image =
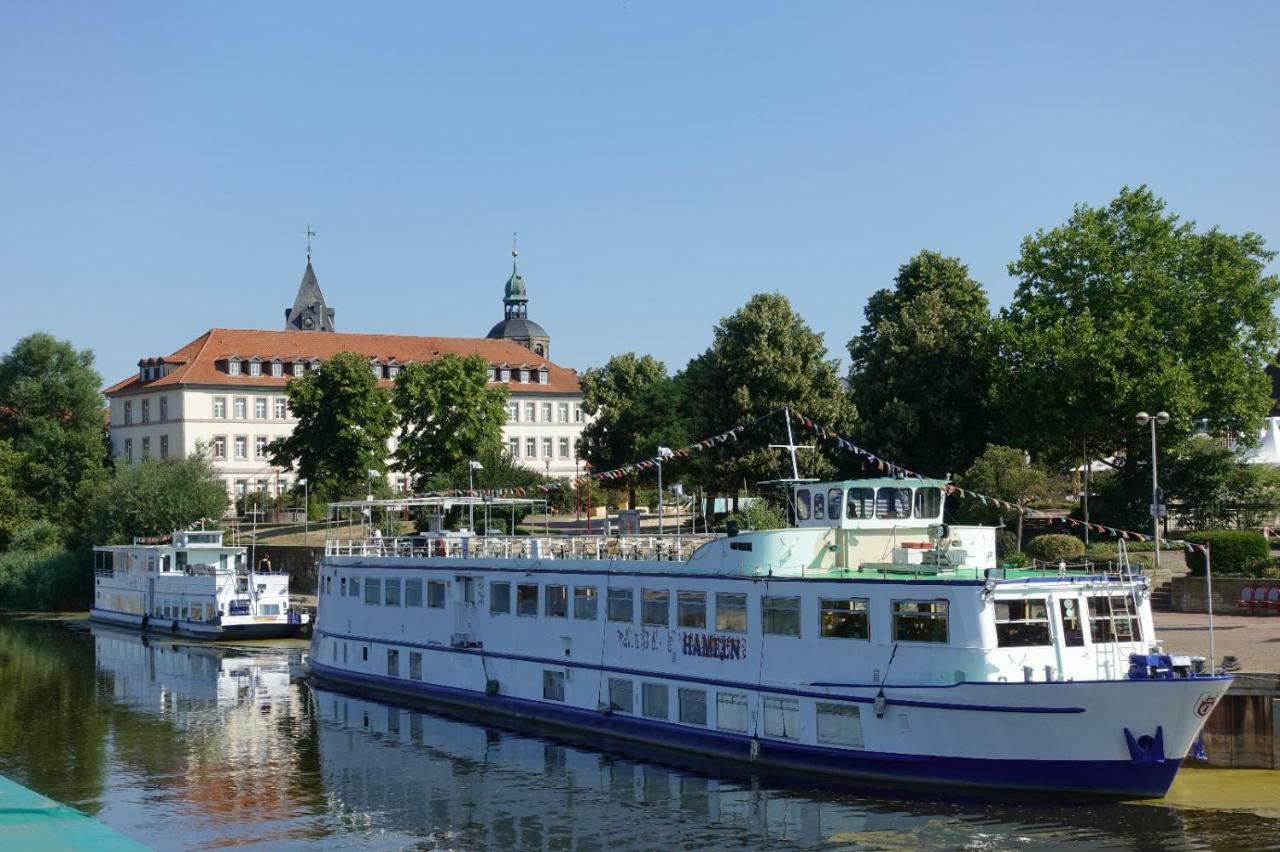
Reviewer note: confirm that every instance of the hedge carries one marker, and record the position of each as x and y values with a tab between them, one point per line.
1051	548
1232	551
61	580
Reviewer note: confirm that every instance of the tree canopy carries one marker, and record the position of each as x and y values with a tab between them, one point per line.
154	497
920	369
344	423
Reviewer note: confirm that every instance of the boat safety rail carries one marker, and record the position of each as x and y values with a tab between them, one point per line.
1116	570
670	547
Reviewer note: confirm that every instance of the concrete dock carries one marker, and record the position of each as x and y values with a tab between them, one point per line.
29	821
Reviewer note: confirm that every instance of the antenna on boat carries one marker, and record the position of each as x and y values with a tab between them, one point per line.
791	446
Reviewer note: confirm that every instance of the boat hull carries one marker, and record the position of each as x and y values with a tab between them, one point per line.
200	629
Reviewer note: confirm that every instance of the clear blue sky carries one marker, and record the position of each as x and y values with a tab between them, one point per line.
159	163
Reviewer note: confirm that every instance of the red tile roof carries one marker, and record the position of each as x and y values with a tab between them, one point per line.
202	361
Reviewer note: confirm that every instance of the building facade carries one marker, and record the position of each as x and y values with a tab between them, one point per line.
225	391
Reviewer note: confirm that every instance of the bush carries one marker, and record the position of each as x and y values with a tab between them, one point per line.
1053	547
1234	552
1006	544
759	515
38	537
46	581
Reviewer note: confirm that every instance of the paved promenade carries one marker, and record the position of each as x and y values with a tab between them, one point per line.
1255	640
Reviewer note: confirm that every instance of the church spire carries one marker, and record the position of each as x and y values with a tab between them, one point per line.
309	311
516	325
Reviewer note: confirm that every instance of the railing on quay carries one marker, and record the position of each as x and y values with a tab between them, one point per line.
658	548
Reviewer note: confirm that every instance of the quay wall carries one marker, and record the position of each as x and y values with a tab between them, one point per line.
1187	594
1243	732
297	561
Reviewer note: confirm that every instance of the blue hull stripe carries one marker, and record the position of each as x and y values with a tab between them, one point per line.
1097	777
559	662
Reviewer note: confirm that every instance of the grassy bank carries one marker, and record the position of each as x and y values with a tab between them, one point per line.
57	580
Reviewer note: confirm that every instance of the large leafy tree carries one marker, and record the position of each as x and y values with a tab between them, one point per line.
1007	474
154	497
1128	308
16	509
448	414
344	423
763	358
51	412
920	368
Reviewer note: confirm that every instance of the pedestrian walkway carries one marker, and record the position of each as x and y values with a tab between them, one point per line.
1255	642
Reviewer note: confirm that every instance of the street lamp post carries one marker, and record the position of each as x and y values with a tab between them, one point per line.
472	467
663	454
1160	419
306	511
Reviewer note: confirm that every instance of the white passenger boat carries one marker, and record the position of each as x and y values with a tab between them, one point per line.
869	641
191	584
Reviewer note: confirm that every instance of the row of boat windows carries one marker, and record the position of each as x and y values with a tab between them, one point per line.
841	618
1104	618
863	503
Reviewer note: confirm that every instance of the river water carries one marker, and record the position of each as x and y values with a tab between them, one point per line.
185	746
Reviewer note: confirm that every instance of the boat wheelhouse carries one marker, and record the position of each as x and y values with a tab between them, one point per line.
191	584
872	640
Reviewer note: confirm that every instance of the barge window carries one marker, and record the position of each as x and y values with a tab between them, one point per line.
500	598
928	503
861	503
691	609
415	665
435	594
393	663
1114	619
373	592
413	593
621	605
846	619
1072	624
781	616
782	718
584	602
693	706
391	592
655	607
526	599
802	504
731	612
654	696
839	724
893	503
621	695
354	589
731	711
556	601
920	621
552	685
833	503
1022	624
819	507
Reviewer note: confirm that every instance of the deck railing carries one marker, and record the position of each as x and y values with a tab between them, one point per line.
661	548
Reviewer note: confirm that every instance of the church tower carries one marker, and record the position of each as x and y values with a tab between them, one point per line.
516	325
309	312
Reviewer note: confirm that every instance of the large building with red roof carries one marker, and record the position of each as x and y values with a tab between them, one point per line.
225	390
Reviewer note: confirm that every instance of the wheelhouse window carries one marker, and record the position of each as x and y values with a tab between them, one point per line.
691	609
527	599
861	503
655	607
893	503
1114	618
920	621
500	597
1072	624
781	616
435	594
1022	624
846	618
584	602
622	605
556	601
928	503
373	591
804	504
833	503
413	593
819	506
731	612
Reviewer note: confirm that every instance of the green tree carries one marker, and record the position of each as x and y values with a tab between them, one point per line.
51	412
1211	486
448	414
154	497
1007	474
16	509
920	369
344	423
763	357
1127	308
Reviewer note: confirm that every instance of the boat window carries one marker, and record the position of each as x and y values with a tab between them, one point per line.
781	616
556	601
526	599
553	685
622	605
435	593
693	706
373	591
584	602
782	718
802	504
845	618
415	665
1072	624
393	663
731	612
691	609
731	711
893	502
342	587
654	697
839	724
920	621
833	503
861	503
1021	624
621	695
500	598
655	607
391	592
413	593
819	506
267	609
928	503
1114	618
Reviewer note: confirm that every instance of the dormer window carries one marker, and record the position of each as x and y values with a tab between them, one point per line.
393	371
299	367
255	368
233	368
377	370
543	376
524	375
506	374
493	374
277	370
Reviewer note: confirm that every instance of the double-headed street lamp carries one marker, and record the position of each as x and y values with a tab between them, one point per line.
472	467
1160	419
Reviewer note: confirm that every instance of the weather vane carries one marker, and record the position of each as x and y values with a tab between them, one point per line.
310	234
515	251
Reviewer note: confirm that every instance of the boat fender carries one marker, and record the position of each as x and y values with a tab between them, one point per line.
146	620
174	628
755	748
881	704
491	687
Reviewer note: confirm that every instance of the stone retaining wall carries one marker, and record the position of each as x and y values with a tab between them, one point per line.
1188	595
297	561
